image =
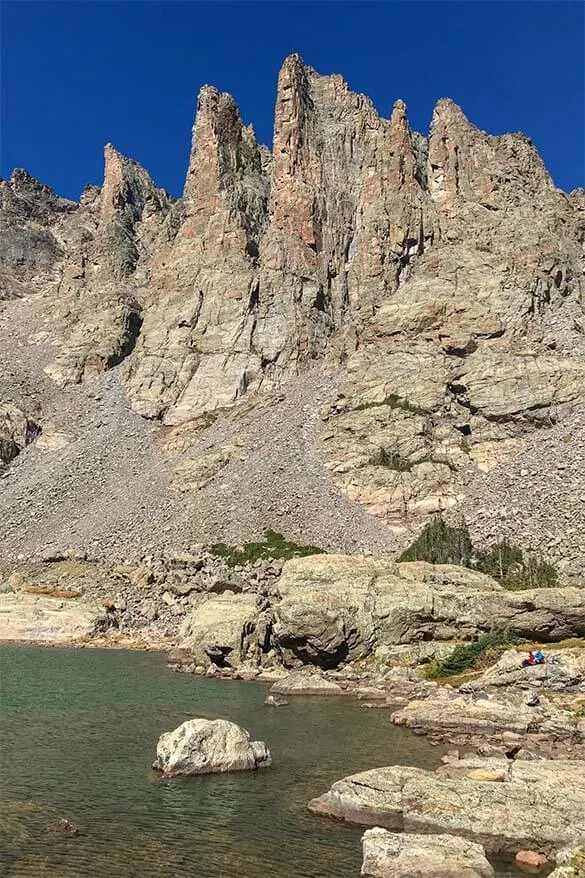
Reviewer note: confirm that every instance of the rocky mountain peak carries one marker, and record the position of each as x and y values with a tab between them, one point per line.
24	196
217	131
399	117
439	278
22	181
225	168
30	251
128	189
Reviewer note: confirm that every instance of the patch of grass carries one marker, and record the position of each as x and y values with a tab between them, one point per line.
442	543
466	657
274	546
394	402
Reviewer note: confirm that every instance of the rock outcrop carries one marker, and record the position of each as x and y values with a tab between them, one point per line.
99	303
16	431
225	622
202	746
31	249
510	722
337	608
402	855
504	806
41	618
567	671
305	683
329	609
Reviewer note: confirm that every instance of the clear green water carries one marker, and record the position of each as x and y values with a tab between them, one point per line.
78	732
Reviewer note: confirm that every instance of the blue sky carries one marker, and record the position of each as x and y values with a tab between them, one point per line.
76	75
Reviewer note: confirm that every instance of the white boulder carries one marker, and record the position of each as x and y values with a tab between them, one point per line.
203	746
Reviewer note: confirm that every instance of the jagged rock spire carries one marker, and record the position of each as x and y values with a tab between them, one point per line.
127	187
225	171
217	133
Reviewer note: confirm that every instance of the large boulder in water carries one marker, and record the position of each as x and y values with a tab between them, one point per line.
401	855
203	746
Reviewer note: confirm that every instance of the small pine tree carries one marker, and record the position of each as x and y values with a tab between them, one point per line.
467	656
503	561
506	563
441	543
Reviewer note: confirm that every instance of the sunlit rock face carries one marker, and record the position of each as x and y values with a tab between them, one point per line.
439	278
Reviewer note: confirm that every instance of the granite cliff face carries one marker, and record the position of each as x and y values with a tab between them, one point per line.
363	320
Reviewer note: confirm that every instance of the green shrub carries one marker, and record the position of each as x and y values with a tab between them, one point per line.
441	543
467	656
274	545
390	459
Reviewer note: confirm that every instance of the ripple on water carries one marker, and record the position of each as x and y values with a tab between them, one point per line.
79	731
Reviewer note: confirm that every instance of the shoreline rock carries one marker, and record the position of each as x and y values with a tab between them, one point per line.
512	721
305	682
570	863
402	855
504	806
39	618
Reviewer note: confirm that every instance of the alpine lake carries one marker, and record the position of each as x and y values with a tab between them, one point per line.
78	734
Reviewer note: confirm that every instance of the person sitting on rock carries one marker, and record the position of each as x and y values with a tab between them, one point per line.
539	656
531	660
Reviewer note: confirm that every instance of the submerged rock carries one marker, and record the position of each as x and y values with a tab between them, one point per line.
66	828
275	701
530	861
401	855
202	746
